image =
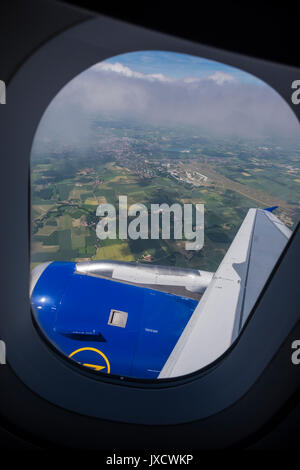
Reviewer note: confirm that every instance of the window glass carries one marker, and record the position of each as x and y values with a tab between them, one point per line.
143	169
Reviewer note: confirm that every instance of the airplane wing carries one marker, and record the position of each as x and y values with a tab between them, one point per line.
231	295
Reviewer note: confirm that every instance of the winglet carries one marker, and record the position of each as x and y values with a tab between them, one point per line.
270	209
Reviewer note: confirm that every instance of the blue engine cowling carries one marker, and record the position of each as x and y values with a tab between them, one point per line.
106	325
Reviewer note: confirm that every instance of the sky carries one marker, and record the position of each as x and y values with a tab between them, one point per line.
179	66
167	87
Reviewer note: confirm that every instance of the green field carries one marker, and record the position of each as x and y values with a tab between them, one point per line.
155	167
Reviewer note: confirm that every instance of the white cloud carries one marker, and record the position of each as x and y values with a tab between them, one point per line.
128	72
191	80
218	76
221	77
217	103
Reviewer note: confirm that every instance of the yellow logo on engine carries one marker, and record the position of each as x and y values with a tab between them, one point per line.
94	366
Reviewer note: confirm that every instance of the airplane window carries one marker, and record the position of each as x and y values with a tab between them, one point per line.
164	188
